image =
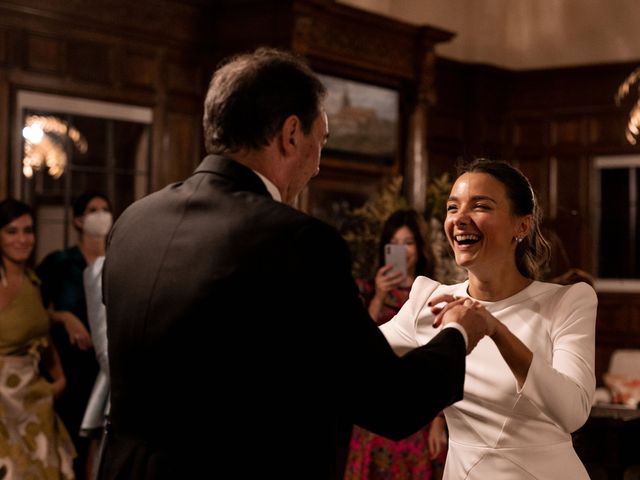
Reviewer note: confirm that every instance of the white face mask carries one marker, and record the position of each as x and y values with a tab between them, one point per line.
97	224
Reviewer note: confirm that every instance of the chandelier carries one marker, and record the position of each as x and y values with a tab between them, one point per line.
632	132
45	144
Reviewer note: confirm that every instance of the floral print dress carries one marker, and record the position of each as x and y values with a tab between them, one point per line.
372	457
34	443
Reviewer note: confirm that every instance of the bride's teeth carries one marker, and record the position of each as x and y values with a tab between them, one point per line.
466	237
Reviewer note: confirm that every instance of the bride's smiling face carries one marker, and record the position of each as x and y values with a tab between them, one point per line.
480	225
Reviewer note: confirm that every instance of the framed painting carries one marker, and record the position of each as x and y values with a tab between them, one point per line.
330	197
363	120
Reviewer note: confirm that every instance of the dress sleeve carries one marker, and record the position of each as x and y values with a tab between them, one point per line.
400	331
96	311
563	390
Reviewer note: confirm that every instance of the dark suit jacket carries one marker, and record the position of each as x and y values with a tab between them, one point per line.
212	286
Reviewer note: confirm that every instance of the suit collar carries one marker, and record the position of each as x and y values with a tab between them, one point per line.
234	171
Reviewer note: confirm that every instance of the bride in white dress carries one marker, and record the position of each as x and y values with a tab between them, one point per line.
531	382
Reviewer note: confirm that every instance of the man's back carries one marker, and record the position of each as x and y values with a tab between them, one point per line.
208	316
218	295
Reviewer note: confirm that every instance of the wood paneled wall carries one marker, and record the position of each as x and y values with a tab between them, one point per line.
160	54
618	326
551	123
140	53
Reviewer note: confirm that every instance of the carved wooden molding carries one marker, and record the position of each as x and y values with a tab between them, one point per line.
164	22
341	34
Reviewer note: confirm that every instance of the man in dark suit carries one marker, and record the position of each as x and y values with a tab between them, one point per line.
231	314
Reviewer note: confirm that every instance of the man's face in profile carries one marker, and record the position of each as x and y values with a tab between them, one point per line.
311	150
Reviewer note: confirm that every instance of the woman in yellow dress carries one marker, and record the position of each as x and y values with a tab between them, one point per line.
34	443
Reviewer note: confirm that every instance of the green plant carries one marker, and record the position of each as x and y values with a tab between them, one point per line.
437	195
361	226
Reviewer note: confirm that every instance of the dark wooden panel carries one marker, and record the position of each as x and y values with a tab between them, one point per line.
530	91
374	43
487	90
572	208
607	130
620	314
156	22
5	129
180	152
486	136
530	132
618	326
445	125
451	83
91	61
343	40
585	87
335	37
488	129
184	78
44	54
568	131
443	161
140	69
4	46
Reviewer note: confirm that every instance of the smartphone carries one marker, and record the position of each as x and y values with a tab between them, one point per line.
396	255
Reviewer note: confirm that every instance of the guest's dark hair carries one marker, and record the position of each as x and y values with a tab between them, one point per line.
411	219
251	95
533	252
80	203
10	209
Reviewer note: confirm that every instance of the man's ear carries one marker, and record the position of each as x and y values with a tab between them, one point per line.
77	222
290	134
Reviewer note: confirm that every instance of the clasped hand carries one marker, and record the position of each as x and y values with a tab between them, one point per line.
470	314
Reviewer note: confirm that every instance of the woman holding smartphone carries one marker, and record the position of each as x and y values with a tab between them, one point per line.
372	456
388	291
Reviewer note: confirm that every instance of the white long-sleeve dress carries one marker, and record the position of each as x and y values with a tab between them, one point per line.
499	431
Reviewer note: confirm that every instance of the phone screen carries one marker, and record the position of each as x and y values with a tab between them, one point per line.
396	255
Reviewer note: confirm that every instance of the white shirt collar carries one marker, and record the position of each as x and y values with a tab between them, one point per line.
271	188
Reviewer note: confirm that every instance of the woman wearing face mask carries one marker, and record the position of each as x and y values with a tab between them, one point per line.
27	417
63	293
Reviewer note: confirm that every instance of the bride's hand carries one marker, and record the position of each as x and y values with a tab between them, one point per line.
475	320
439	310
453	300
